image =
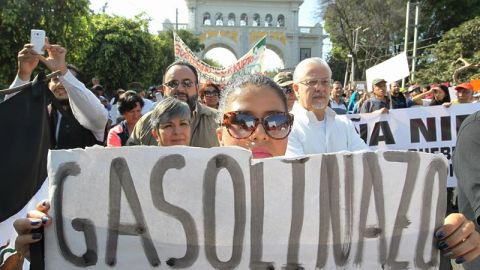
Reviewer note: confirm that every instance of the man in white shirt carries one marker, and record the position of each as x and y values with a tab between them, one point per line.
78	117
317	128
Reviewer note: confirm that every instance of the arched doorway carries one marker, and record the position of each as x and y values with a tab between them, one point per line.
273	59
222	55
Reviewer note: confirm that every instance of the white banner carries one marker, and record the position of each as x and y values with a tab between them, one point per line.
251	63
394	69
431	129
182	207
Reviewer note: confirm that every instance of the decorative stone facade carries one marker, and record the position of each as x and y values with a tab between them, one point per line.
238	25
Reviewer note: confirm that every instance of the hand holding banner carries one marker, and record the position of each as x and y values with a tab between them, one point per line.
181	207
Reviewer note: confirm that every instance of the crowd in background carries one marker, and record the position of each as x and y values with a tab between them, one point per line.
294	114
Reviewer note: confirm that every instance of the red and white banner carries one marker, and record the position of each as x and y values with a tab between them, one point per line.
250	63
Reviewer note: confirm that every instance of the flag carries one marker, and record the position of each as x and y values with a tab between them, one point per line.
24	143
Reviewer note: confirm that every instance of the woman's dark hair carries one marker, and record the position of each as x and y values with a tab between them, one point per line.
445	99
128	101
207	85
244	81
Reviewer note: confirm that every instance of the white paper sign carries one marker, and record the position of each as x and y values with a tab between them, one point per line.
431	129
181	207
394	69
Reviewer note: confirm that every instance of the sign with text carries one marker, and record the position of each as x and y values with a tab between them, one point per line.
251	63
394	69
431	129
182	207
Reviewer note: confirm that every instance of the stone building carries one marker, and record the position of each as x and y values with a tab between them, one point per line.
237	25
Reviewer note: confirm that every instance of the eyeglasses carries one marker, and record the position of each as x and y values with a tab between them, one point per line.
315	82
241	125
287	89
211	93
175	83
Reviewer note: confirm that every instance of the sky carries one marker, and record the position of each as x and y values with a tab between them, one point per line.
160	10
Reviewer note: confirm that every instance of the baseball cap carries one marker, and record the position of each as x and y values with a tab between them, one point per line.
284	78
465	85
377	81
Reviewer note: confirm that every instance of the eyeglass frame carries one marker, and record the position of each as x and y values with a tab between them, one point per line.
305	82
211	93
183	83
257	120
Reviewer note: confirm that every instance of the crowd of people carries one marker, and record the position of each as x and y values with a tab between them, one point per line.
294	114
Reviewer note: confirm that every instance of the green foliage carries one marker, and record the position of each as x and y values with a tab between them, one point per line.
113	48
380	32
121	51
166	47
385	37
336	60
459	42
63	20
212	62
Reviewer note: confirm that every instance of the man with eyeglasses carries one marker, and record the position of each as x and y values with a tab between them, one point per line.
317	129
285	80
181	81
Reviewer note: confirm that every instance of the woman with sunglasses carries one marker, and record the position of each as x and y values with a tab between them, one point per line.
254	115
250	106
210	94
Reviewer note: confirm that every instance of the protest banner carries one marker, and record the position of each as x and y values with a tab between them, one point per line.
431	129
183	207
394	69
251	63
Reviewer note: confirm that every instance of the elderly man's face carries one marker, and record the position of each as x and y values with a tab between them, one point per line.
464	95
380	89
313	87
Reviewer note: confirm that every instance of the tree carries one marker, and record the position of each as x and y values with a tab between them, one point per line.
212	62
166	47
378	25
63	20
386	21
459	42
121	51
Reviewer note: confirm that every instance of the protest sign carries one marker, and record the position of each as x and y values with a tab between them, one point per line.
431	129
182	207
250	63
394	69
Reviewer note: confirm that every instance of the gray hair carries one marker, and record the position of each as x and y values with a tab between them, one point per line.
167	109
243	81
299	69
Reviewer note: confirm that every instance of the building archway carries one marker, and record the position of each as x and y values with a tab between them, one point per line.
275	58
221	55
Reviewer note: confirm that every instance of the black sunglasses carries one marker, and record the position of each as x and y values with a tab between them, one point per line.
241	125
175	83
211	93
